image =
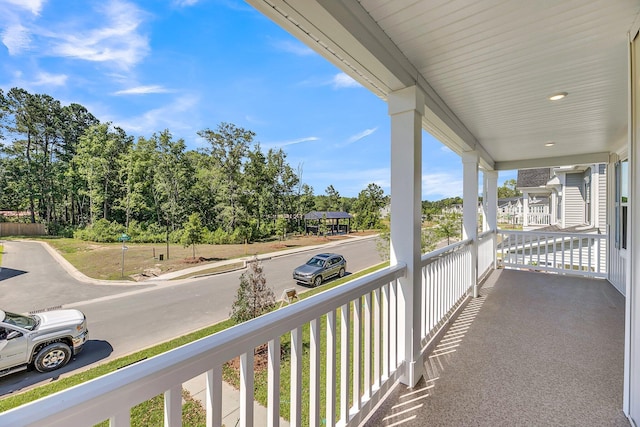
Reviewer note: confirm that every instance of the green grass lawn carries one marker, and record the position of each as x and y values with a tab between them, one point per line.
150	412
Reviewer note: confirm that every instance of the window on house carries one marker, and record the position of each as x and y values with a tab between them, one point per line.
621	203
587	200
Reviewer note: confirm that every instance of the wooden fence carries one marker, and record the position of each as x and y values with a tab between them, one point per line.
21	229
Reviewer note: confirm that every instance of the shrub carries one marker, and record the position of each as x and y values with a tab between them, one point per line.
254	298
101	231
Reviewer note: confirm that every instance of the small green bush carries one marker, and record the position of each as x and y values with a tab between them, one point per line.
101	231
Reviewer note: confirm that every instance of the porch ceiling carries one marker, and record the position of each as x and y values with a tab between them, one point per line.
488	68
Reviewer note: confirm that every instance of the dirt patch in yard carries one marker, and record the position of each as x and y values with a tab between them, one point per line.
260	360
142	260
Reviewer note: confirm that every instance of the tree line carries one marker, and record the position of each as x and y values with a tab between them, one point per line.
79	175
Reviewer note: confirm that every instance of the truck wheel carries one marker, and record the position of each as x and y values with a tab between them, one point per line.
317	281
52	356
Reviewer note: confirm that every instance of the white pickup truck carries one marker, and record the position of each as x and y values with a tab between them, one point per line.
46	340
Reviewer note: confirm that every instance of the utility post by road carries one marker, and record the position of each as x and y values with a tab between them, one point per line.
124	237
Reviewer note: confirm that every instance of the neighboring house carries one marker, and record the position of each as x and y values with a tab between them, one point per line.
510	210
385	211
510	206
563	197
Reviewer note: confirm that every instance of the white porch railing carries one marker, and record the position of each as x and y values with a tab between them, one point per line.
446	283
486	252
539	219
565	253
358	373
510	218
533	219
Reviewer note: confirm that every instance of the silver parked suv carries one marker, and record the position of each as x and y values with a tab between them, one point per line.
319	268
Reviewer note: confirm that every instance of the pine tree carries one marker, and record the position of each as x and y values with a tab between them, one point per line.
254	298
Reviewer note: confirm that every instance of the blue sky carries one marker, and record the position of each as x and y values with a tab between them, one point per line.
187	65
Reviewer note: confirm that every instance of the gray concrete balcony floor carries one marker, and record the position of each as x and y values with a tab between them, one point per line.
535	349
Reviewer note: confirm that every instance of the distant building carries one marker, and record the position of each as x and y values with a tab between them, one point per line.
336	222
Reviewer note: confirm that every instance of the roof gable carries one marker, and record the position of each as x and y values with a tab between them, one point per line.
533	177
329	215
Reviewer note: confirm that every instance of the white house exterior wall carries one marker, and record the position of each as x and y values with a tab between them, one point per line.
601	200
573	199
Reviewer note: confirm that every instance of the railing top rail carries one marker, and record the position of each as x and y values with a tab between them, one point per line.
555	233
487	233
431	256
97	400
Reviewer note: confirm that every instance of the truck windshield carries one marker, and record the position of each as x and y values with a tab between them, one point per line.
25	322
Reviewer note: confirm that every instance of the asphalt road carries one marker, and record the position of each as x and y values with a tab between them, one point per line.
126	318
31	279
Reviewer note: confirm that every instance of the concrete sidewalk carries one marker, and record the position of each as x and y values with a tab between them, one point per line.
230	403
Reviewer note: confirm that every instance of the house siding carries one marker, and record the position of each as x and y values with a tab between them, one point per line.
602	198
574	199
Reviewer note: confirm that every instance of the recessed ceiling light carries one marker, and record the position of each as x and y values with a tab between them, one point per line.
558	96
549	144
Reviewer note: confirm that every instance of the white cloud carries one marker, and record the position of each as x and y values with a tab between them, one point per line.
34	80
142	90
359	136
342	80
291	142
255	120
294	47
446	149
441	184
16	38
177	116
119	40
338	81
185	3
113	34
46	79
34	6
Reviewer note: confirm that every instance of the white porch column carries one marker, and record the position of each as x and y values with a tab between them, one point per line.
490	200
470	210
525	210
595	196
490	203
553	208
406	108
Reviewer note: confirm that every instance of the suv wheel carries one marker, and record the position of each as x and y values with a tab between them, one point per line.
317	281
52	356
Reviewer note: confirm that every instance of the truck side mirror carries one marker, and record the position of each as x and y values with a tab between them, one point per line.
13	334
